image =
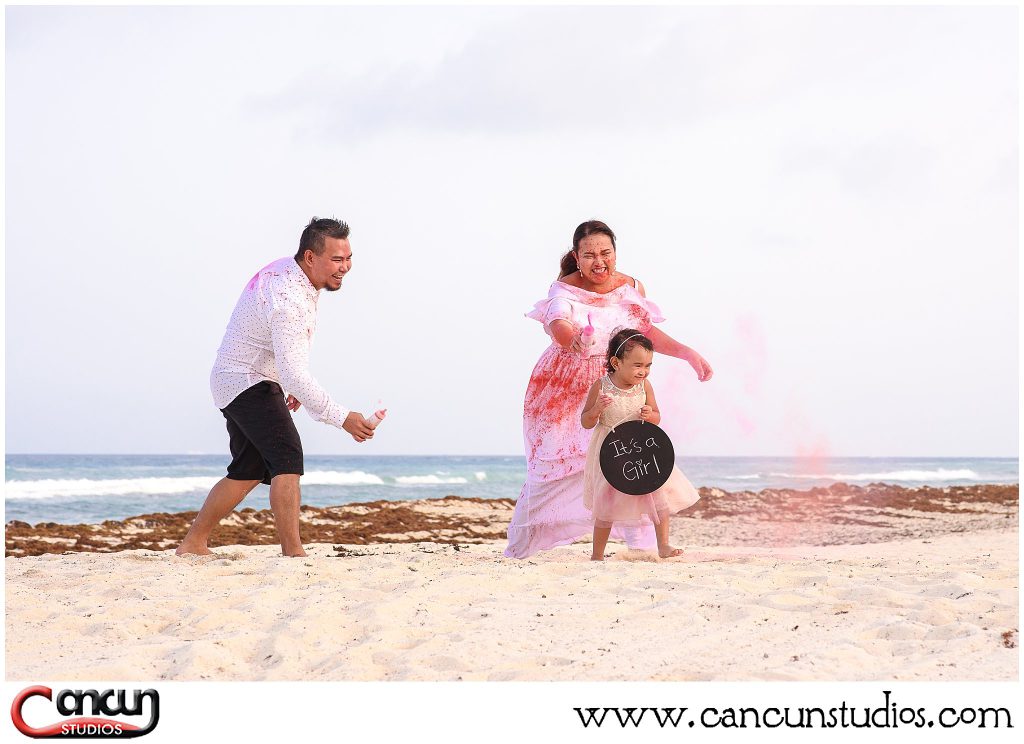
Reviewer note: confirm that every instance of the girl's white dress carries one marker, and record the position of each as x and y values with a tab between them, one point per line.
609	505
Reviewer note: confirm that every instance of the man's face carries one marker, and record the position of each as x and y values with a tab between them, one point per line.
328	269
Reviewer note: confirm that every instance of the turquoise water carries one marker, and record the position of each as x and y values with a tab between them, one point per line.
93	488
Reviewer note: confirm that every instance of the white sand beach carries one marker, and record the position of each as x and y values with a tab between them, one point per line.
943	607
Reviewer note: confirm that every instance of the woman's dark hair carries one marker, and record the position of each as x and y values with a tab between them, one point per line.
312	238
593	227
619	343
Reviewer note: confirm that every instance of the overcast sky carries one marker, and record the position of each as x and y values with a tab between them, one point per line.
822	200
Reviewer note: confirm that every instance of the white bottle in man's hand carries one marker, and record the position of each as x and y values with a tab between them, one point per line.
376	418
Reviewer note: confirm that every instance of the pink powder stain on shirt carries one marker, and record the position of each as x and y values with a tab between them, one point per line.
254	282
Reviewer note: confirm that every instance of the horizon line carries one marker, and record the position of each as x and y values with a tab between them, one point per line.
334	454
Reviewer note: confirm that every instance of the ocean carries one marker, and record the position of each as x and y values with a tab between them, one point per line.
75	489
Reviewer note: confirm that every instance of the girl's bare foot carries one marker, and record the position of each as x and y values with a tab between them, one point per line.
669	552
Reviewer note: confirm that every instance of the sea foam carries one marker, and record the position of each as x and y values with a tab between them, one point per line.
55	488
49	488
341	478
426	480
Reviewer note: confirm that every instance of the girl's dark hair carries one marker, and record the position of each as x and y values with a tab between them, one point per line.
619	339
593	227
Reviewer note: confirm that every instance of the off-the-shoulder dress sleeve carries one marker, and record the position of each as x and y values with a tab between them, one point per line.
643	313
556	306
622	307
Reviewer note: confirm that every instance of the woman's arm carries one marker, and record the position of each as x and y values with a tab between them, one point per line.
649	411
665	344
565	335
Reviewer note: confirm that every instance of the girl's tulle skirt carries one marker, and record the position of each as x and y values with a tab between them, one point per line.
608	505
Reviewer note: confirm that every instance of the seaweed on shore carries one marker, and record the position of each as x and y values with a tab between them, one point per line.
836	514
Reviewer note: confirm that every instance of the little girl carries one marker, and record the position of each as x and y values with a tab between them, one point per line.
625	394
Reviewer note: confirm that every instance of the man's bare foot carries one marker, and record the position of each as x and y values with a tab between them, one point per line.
300	554
186	549
669	552
597	557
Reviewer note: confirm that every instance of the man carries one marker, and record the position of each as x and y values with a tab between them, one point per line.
265	352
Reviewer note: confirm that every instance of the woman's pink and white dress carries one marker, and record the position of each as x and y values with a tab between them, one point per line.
611	506
550	509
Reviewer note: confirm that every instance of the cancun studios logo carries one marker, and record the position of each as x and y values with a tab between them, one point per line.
72	703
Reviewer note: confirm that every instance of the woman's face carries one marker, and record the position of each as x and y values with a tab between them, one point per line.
596	258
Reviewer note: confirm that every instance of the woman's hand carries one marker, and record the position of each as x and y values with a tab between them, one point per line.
568	336
578	345
700	366
665	344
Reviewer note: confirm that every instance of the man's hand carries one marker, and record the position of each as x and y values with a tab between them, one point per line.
293	403
356	425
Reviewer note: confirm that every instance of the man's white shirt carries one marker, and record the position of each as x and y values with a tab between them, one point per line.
268	338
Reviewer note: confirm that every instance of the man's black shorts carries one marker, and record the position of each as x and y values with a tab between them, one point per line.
264	440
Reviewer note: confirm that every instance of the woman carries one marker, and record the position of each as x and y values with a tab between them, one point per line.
550	509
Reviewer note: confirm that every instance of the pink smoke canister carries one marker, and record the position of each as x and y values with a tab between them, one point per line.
587	337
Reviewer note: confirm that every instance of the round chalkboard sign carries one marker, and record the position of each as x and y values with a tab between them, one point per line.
637	457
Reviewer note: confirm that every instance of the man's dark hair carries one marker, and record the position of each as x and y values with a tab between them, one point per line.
319	228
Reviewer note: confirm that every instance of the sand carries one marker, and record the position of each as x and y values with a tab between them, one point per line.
938	607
